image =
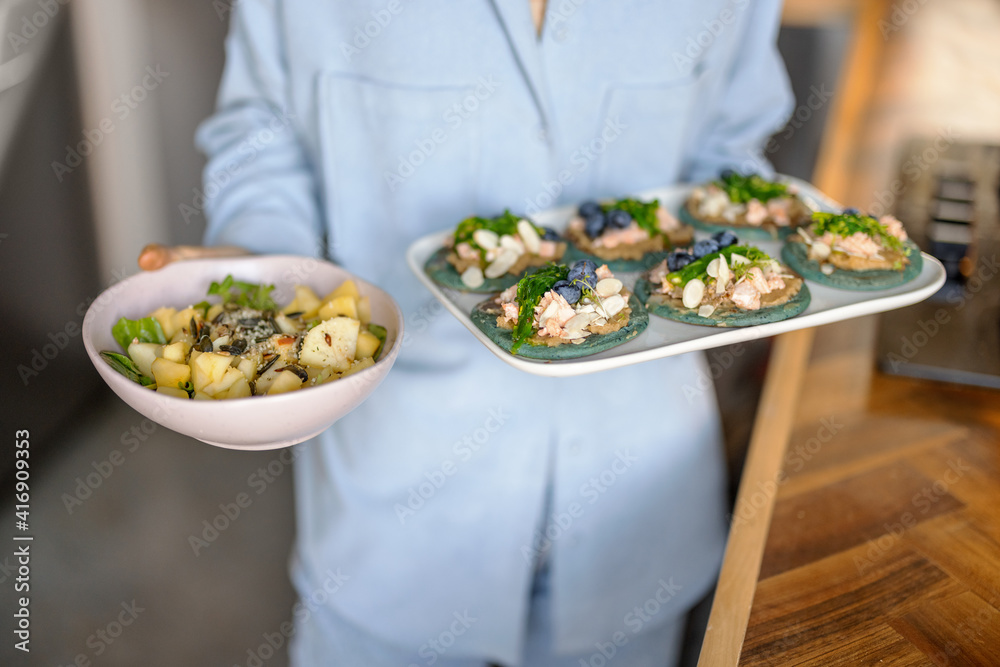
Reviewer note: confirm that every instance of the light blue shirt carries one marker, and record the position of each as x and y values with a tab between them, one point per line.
352	128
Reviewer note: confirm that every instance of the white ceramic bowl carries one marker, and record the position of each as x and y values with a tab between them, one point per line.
258	422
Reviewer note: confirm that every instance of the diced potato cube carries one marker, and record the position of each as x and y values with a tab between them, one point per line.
331	343
305	301
267	378
213	312
177	352
359	365
220	386
201	396
182	319
239	389
165	316
208	368
172	391
286	324
142	354
182	336
339	305
347	288
367	345
365	311
285	382
248	367
170	374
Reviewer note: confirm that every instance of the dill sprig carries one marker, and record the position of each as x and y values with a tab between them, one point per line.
741	189
848	224
530	291
503	224
699	267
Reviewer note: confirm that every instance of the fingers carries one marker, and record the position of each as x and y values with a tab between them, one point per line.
155	256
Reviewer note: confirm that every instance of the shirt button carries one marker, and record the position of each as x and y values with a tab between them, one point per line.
574	448
542	134
561	34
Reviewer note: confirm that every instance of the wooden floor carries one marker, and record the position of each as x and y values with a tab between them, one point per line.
884	546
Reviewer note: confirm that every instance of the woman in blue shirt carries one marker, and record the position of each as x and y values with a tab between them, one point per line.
468	513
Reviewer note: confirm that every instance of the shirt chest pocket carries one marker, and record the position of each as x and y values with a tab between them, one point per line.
644	134
399	160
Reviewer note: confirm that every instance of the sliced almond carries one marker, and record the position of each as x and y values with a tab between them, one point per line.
613	305
737	259
485	239
725	275
706	310
608	287
529	236
693	293
502	263
473	277
713	268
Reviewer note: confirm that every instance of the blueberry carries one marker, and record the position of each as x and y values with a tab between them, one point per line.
594	225
585	270
568	291
678	259
589	208
851	211
726	174
704	247
618	219
725	238
549	234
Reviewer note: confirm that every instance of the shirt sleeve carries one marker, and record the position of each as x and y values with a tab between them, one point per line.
259	187
755	102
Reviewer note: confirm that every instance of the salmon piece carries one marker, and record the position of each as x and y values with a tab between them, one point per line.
746	296
756	213
665	221
466	252
859	244
893	226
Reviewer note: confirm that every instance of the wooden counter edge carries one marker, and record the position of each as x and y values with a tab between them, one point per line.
730	613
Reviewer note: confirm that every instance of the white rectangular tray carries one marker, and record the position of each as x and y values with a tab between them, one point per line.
664	338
